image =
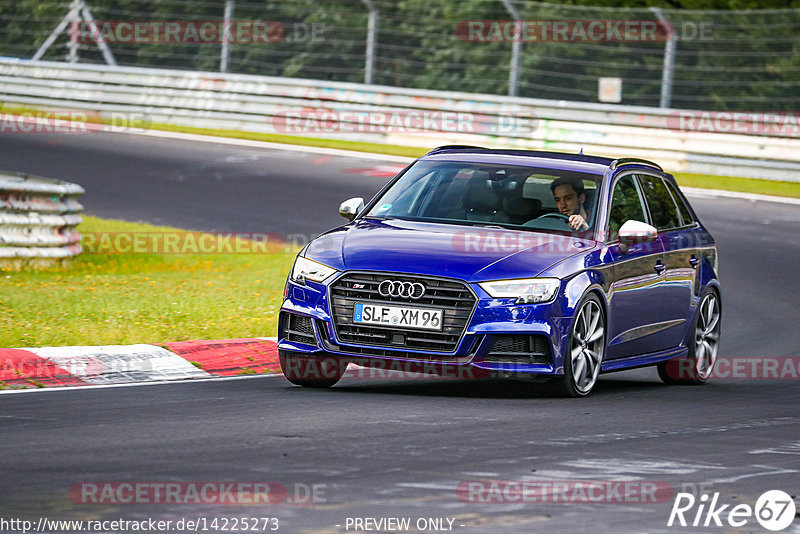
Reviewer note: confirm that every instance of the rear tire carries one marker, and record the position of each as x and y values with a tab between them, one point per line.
585	350
311	371
697	366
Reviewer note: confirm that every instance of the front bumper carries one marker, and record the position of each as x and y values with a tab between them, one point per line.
499	337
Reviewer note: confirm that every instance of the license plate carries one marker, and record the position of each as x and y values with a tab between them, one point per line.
401	317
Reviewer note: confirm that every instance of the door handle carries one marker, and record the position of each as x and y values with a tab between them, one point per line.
659	267
693	261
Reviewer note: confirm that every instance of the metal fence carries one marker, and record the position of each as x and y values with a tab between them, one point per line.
716	60
129	98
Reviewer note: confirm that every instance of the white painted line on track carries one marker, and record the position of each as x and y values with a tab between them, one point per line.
754	197
273	146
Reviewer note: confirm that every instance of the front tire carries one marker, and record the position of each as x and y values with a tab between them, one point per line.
703	344
585	350
311	371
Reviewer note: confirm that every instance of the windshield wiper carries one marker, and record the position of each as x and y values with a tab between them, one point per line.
497	226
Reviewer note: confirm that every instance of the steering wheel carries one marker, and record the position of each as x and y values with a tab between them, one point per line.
561	216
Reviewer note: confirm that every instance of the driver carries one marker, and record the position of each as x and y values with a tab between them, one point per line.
570	195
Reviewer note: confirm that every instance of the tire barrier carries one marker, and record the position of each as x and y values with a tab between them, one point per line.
38	220
752	145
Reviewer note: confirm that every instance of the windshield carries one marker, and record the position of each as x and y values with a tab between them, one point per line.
509	196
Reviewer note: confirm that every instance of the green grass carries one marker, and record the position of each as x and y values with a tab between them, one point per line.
342	144
726	183
101	299
744	185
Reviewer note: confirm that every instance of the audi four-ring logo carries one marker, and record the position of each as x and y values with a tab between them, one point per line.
394	288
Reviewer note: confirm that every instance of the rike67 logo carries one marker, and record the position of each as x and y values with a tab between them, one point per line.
774	510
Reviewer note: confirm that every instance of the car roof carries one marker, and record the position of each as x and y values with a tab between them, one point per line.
551	160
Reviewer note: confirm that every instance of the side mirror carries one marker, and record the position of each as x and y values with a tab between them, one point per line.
634	233
351	207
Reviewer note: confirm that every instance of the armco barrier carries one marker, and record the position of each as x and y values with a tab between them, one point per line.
38	217
260	104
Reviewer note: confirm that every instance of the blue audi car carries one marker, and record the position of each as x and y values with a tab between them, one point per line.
523	264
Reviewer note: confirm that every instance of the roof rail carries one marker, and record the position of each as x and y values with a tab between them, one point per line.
633	161
453	147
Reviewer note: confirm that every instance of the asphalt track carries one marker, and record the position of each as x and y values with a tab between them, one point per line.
388	447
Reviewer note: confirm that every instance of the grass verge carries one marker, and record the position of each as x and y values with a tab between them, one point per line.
108	299
742	185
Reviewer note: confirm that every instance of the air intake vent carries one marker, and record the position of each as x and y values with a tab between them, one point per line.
299	329
524	349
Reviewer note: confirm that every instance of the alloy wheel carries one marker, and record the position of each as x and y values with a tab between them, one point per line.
587	347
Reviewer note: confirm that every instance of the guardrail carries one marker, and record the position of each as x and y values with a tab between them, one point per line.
352	111
38	217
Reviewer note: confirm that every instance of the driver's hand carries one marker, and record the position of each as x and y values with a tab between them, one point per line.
577	222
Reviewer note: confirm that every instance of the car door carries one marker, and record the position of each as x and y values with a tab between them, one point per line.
633	280
679	242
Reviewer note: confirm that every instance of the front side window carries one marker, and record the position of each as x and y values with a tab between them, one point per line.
513	196
626	205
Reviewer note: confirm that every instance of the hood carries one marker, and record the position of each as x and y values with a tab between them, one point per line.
469	253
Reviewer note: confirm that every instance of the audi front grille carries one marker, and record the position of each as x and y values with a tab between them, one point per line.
453	297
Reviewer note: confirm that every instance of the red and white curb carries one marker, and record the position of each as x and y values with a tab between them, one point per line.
126	364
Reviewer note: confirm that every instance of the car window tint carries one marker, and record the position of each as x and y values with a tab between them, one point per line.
626	205
662	207
683	209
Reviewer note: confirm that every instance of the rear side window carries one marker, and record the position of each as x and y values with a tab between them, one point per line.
626	205
663	210
683	209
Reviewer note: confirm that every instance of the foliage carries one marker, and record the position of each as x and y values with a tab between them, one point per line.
747	58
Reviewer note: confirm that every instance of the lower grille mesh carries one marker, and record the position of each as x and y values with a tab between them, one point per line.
299	329
522	349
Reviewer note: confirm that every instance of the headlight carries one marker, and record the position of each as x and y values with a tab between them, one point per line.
526	290
305	269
